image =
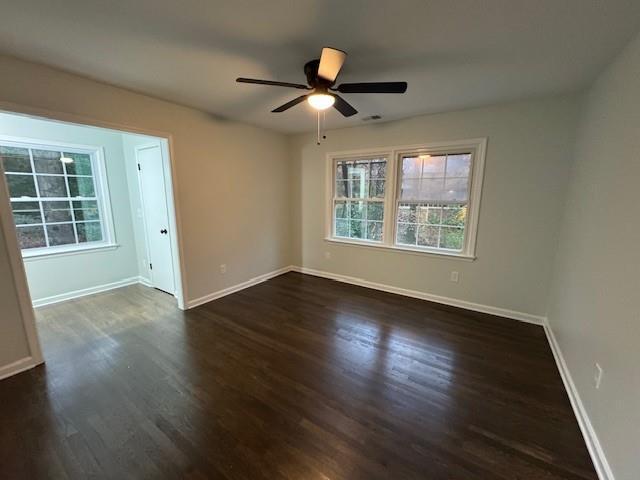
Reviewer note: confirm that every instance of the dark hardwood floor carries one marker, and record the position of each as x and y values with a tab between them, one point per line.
296	378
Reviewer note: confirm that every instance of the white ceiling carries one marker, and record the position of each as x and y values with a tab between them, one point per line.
453	53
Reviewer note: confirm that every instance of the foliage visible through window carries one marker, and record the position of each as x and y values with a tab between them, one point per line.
358	205
433	200
54	203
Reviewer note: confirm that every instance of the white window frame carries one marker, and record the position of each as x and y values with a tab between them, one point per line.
475	146
99	171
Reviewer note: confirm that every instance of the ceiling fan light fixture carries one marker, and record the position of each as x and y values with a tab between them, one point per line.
321	101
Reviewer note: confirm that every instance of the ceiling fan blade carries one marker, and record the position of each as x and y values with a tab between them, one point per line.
290	104
331	62
271	82
373	87
343	107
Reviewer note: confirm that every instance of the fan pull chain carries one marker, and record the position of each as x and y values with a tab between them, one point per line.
324	113
320	128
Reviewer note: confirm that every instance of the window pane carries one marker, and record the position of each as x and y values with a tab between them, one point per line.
434	215
51	186
376	189
358	229
31	237
431	189
342	228
428	236
454	215
433	166
81	187
406	234
356	210
342	188
411	167
81	164
458	165
375	211
15	159
21	186
340	210
452	238
379	169
26	212
342	171
407	213
86	210
89	232
455	189
56	212
61	234
358	189
358	170
47	161
410	188
374	231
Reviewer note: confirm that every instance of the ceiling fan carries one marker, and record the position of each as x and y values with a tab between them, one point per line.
321	77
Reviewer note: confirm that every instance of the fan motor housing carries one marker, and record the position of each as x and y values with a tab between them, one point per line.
311	72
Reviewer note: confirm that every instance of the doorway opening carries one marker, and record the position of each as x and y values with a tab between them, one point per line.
92	209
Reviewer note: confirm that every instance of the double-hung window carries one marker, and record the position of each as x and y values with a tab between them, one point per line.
423	198
358	202
57	196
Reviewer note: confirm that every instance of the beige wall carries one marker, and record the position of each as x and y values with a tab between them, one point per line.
527	164
233	179
593	310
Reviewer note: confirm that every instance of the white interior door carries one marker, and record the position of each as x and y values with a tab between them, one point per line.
156	217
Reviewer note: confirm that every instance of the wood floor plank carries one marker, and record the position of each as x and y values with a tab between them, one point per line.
296	378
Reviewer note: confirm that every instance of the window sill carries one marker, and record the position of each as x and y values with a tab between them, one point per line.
408	250
34	256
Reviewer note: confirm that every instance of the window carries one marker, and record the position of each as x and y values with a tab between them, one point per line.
358	202
433	200
420	198
57	197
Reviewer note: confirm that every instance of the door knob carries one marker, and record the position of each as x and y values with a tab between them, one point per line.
163	231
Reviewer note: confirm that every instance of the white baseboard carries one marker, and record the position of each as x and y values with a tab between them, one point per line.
454	302
591	439
236	288
17	367
144	281
85	291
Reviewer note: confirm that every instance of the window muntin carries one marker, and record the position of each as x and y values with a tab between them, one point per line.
56	205
358	200
433	200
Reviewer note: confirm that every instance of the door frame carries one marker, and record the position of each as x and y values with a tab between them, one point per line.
170	212
9	229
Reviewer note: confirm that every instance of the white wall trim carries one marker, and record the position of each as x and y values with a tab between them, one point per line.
21	365
591	439
86	291
240	286
454	302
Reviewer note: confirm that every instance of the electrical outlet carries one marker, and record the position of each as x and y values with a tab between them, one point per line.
223	268
455	277
597	376
327	255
